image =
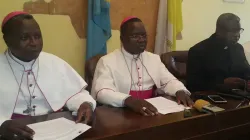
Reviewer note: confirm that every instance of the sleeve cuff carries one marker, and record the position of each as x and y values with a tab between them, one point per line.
186	91
75	102
115	99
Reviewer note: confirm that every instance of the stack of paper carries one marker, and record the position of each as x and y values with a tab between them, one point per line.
165	106
58	129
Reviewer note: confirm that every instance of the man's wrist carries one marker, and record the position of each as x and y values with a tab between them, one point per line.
183	91
126	101
91	105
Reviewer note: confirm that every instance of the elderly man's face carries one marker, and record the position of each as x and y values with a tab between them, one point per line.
26	41
232	32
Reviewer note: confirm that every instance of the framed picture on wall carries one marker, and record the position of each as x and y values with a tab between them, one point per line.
234	1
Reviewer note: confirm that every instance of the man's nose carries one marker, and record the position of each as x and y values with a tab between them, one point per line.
33	41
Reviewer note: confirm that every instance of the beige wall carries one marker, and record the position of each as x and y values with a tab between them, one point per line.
200	17
61	39
59	35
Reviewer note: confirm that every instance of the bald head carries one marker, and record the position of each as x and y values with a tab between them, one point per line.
228	27
227	20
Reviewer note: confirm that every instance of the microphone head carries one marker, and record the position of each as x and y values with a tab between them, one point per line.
200	103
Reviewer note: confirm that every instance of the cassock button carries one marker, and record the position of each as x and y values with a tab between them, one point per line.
139	77
30	85
28	73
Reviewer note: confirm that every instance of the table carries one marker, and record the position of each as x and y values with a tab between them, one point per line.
123	124
113	124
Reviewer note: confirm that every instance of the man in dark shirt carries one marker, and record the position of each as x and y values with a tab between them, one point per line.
219	59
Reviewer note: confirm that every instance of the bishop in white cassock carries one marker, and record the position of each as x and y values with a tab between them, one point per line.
33	82
127	76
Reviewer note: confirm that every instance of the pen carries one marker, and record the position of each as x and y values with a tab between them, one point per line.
240	103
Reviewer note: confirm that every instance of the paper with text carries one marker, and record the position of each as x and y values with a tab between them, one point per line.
166	106
58	129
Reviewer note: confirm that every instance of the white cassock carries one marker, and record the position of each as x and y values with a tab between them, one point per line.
119	72
46	84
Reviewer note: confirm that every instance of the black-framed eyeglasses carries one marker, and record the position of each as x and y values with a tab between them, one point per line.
240	31
138	36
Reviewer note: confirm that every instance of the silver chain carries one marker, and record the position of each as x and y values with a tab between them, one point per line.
130	72
29	103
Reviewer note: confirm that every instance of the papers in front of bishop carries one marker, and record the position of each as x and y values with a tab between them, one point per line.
166	106
58	129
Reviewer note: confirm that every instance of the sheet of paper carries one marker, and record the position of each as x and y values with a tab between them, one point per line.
166	106
58	129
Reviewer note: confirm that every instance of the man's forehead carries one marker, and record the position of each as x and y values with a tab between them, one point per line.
29	24
136	26
233	24
24	26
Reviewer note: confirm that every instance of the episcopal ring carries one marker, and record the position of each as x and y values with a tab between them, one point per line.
144	108
15	136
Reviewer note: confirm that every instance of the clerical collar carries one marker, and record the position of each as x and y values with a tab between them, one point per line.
130	56
13	59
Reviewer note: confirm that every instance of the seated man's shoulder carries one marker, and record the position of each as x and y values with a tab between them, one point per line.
239	46
51	58
3	59
151	55
110	57
199	47
48	55
2	56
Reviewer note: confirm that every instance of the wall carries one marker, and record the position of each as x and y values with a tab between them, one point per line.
59	35
64	23
123	8
64	30
200	17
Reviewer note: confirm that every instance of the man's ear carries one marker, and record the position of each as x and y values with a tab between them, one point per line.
221	35
5	38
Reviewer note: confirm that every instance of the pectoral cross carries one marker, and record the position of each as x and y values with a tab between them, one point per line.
28	110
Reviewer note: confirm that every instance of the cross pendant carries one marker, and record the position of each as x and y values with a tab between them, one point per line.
28	110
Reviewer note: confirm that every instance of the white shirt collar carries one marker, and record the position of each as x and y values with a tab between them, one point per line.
20	64
130	56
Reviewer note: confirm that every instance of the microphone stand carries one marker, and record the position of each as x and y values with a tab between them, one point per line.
245	98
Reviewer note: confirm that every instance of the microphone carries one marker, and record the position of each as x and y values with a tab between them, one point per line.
206	107
242	93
